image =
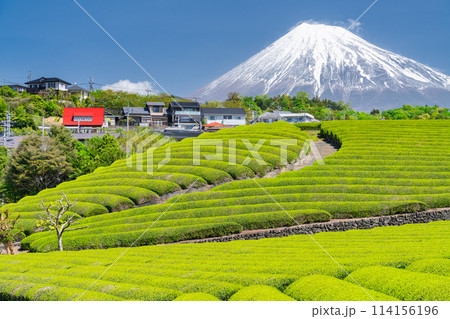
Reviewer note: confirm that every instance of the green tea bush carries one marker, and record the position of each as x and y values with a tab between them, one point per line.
260	293
326	288
136	194
309	126
196	296
160	187
403	284
431	266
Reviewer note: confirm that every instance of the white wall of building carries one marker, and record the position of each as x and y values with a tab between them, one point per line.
233	120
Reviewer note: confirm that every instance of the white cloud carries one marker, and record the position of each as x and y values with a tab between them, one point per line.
354	25
142	88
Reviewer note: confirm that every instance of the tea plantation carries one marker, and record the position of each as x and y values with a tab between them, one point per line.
407	262
382	168
137	180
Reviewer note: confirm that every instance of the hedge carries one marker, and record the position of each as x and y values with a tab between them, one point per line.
196	296
122	291
222	269
260	293
327	288
309	126
326	189
403	284
138	238
136	194
160	187
247	221
183	180
14	290
110	202
431	266
81	208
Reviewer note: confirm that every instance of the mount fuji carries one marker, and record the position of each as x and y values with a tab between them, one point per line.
331	62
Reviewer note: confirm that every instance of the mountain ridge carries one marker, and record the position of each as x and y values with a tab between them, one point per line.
331	62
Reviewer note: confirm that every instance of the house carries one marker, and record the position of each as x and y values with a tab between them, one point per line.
17	87
84	120
274	116
227	116
43	84
138	116
185	115
81	92
158	114
111	119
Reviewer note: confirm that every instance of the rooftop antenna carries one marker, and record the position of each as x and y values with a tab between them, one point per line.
30	76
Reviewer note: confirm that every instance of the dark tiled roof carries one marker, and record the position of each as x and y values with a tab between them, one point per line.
44	80
184	104
76	88
181	134
223	111
156	104
136	110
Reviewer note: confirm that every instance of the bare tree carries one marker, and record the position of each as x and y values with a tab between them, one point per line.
58	220
8	231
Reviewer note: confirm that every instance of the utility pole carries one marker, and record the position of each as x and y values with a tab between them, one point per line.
91	84
128	117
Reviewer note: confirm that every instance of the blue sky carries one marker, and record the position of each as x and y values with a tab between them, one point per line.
184	44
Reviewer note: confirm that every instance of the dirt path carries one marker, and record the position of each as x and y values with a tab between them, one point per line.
324	149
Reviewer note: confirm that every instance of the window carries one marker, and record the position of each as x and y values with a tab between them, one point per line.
238	118
227	117
51	85
212	117
82	118
156	109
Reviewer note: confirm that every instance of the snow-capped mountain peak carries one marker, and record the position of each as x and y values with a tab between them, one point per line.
331	62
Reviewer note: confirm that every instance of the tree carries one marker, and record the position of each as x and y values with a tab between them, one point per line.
36	164
375	112
234	97
65	141
95	153
8	231
57	220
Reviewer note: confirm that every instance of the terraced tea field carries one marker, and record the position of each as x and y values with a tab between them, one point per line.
409	262
128	183
382	168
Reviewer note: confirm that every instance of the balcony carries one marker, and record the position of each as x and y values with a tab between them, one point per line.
187	113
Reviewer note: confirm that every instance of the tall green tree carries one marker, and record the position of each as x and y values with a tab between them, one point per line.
36	164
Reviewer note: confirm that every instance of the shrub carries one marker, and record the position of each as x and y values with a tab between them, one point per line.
260	293
183	180
326	288
111	202
160	187
196	296
309	126
435	266
137	238
136	194
403	284
14	290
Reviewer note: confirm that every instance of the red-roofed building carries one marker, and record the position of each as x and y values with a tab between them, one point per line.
84	120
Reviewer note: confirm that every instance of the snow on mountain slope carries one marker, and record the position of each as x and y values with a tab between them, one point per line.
329	62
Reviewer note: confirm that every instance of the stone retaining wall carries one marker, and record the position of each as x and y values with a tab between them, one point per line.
337	225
